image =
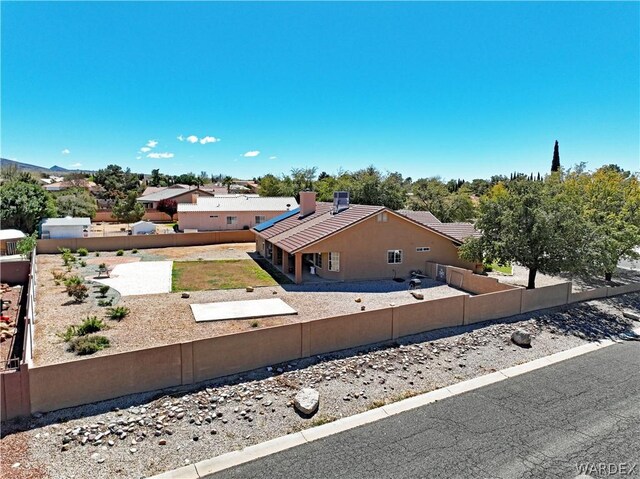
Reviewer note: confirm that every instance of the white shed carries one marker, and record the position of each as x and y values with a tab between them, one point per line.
65	228
143	228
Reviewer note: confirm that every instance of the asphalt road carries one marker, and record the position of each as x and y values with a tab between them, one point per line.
543	424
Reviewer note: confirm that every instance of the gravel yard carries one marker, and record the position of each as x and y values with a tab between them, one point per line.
520	277
159	319
146	434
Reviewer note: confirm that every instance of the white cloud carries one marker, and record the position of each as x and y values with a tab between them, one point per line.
160	155
180	138
65	151
251	154
138	157
273	157
208	139
152	143
144	149
76	165
192	139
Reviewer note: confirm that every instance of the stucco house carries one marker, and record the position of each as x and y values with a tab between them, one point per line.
231	212
178	193
65	228
8	240
347	242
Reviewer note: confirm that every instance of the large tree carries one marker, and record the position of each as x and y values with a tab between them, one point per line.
555	163
23	205
610	202
76	202
168	206
534	224
116	181
127	209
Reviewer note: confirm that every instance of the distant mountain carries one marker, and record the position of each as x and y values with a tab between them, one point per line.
54	170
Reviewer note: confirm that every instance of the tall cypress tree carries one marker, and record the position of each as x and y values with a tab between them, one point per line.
555	163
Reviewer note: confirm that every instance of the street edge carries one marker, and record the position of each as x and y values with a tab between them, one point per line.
203	469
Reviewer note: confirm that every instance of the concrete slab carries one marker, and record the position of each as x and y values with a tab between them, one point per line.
143	277
256	308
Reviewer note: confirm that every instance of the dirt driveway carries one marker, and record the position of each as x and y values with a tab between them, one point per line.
208	252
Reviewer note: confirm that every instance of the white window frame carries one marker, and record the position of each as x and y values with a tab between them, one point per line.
260	219
422	249
232	220
334	261
397	256
317	260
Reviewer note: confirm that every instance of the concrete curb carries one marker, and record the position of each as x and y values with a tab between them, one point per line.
207	467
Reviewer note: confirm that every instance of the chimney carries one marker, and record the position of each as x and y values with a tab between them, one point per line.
307	203
194	198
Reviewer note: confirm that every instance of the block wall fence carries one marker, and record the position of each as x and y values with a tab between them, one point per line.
77	382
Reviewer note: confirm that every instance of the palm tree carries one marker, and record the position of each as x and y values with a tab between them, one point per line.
228	181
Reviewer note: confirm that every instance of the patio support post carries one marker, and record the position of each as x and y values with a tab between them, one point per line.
285	262
298	268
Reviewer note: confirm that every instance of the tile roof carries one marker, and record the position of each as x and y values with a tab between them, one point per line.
457	231
294	233
424	217
170	192
240	203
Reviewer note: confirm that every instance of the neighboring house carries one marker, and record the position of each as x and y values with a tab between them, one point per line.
231	212
8	241
178	193
65	185
53	228
346	242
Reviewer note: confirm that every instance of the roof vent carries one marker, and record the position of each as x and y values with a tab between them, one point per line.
340	201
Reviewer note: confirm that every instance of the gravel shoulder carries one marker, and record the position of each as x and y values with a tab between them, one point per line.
145	434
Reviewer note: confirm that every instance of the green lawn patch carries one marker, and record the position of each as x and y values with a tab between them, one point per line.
501	269
220	274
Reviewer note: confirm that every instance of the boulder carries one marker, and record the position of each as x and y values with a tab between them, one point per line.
521	338
307	400
417	295
631	314
249	289
185	295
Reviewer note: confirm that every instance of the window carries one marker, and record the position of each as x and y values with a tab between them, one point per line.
260	219
382	217
334	261
232	220
394	256
318	260
422	249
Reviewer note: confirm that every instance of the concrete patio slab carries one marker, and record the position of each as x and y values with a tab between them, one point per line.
143	277
257	308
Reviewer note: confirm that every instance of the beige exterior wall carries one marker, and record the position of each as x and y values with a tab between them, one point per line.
342	332
428	315
627	288
474	283
485	307
217	220
545	297
589	294
114	243
89	380
363	250
235	353
15	272
14	393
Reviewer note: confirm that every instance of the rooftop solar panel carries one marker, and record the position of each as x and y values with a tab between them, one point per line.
274	220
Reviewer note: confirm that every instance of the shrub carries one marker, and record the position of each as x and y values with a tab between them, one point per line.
254	323
58	276
105	302
97	253
69	334
67	256
134	251
119	252
90	325
73	281
83	263
79	292
104	289
102	266
118	313
82	251
88	344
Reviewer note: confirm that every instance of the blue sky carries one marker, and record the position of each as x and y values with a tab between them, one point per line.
460	90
